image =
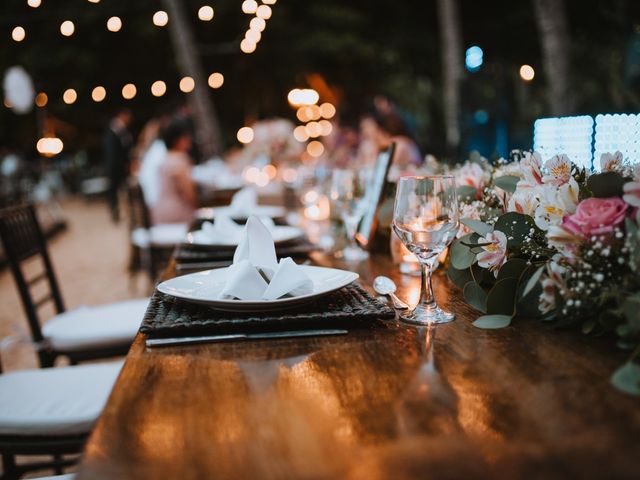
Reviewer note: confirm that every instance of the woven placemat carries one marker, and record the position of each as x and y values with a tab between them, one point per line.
349	306
190	253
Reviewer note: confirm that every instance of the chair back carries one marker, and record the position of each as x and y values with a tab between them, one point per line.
22	238
139	216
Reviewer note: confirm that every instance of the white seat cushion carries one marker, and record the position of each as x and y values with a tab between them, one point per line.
162	235
91	327
55	401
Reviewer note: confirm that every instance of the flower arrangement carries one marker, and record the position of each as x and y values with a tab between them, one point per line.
551	241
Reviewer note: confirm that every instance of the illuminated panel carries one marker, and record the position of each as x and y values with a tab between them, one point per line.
619	132
569	135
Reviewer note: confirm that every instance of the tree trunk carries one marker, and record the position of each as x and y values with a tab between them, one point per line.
451	39
208	134
554	35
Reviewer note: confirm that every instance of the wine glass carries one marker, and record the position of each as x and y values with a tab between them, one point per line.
425	217
349	196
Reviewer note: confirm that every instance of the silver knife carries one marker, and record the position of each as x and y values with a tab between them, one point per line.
170	342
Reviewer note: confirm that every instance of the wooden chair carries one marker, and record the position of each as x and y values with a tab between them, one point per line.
50	412
151	245
86	333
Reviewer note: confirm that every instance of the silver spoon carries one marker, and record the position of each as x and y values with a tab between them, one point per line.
385	286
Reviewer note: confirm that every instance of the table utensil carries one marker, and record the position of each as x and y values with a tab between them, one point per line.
426	219
171	342
385	286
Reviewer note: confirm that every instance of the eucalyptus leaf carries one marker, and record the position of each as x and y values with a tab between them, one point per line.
459	277
627	378
502	297
466	193
475	296
493	321
516	226
631	310
507	183
606	184
461	256
532	282
512	268
477	226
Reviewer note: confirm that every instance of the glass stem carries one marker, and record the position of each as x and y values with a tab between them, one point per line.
426	290
351	226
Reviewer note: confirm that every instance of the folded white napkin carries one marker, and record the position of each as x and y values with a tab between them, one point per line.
244	201
223	230
256	273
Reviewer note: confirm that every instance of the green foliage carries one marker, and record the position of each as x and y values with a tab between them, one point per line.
475	296
466	193
517	227
461	256
605	185
477	226
627	378
507	183
459	277
492	322
502	297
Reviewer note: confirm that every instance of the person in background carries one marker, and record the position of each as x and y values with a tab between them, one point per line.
116	147
177	199
384	125
151	152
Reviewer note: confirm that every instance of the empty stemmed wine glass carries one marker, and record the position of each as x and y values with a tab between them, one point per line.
348	194
426	219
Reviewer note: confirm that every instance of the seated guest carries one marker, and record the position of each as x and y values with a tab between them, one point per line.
177	198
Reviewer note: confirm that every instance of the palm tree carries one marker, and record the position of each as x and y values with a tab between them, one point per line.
205	117
451	70
554	35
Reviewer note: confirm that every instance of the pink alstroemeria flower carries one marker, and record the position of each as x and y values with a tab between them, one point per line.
493	255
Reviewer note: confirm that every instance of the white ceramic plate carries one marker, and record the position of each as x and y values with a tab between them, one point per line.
271	211
280	234
205	287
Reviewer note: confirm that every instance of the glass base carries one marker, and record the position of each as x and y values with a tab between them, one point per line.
427	315
352	254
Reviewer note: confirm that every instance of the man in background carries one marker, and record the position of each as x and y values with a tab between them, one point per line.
117	145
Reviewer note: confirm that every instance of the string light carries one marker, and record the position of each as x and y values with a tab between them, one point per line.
249	6
315	148
18	34
325	127
216	80
160	18
49	146
129	91
98	94
269	2
313	129
158	88
300	133
253	36
34	3
41	99
114	24
245	135
527	73
258	24
67	28
327	110
69	96
94	1
264	12
306	96
247	46
205	13
187	84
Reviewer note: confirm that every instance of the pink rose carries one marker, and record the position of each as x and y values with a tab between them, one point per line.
595	216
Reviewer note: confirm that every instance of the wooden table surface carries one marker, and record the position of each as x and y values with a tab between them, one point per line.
397	402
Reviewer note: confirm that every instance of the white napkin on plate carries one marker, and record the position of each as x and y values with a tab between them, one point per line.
222	231
256	273
244	201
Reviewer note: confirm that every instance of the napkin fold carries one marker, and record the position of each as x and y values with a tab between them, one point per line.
244	201
223	230
256	274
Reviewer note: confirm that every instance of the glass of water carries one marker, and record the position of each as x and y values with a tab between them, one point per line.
426	219
349	196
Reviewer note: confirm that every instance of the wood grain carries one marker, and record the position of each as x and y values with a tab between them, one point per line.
402	402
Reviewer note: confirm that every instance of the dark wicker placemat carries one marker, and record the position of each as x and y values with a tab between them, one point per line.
351	305
191	253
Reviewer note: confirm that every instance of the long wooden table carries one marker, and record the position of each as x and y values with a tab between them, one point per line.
396	402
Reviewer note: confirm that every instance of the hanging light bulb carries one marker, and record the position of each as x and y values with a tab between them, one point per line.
205	13
160	18
114	24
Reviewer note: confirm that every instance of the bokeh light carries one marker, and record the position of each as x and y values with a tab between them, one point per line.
325	127
205	13
245	135
249	6
158	88
160	18
187	84
258	24
527	73
98	94
114	24
313	129
327	110
216	80
129	91
247	46
315	148
34	3
18	34
300	133
305	96
41	99
253	36
69	96
269	2
264	12
49	146
67	28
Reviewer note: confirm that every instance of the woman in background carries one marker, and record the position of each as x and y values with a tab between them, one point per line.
177	199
